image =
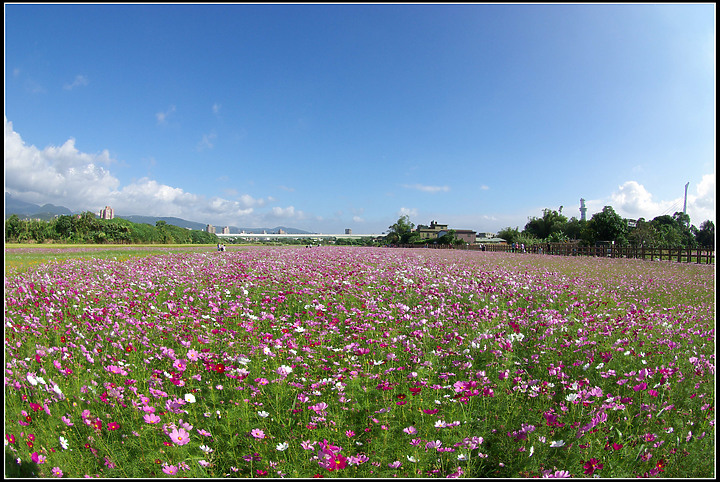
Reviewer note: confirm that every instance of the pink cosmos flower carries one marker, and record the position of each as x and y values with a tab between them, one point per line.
257	433
151	418
38	458
57	472
179	436
170	469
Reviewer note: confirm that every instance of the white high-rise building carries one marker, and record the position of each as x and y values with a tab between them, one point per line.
107	213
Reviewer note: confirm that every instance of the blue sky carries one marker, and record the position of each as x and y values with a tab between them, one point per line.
327	117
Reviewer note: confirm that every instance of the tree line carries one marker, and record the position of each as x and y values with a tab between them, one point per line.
605	226
88	228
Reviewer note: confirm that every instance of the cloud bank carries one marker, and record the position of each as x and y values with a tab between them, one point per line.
80	181
633	201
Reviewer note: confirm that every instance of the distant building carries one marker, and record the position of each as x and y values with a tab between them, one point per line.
466	235
107	213
489	239
433	231
210	229
348	231
226	230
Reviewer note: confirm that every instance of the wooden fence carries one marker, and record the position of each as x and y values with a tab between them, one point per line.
681	255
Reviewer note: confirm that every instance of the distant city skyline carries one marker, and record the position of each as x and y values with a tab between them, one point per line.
329	117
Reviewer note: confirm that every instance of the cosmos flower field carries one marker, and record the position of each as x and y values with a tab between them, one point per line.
360	362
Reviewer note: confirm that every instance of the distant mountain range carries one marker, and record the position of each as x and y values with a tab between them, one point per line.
49	211
26	209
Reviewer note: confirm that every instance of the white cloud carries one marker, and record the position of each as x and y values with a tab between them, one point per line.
249	201
423	188
287	214
632	200
80	80
358	219
484	187
412	212
701	206
55	172
216	108
162	116
65	176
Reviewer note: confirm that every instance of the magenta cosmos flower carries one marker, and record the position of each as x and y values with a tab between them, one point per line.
179	436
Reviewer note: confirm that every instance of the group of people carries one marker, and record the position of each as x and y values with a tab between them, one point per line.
220	247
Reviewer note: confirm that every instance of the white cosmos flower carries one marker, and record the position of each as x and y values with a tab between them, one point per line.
411	458
283	446
206	449
263	414
189	398
557	443
284	370
64	443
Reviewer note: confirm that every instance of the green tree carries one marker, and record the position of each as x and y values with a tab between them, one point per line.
706	234
401	231
674	231
447	238
574	228
64	227
13	228
550	222
509	234
607	225
644	234
40	231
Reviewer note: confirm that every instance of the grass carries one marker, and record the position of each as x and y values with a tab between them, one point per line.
359	362
19	257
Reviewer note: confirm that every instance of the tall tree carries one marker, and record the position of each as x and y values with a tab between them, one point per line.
574	228
401	231
509	234
550	222
607	225
706	234
644	234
